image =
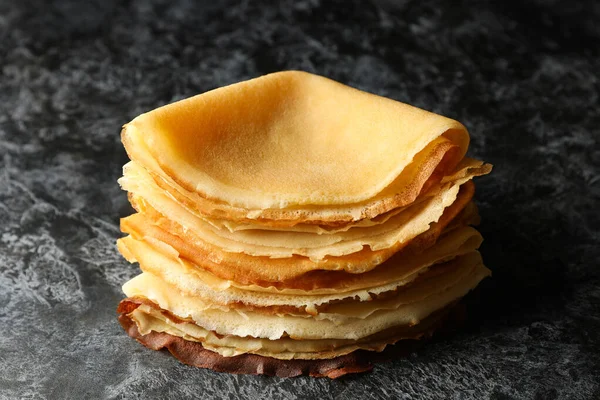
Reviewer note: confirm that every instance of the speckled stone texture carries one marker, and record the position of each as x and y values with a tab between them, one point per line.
523	76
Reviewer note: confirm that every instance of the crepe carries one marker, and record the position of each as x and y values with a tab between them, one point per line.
149	317
262	271
170	268
377	235
345	323
290	224
193	353
286	133
430	166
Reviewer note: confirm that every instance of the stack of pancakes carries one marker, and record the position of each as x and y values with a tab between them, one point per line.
290	224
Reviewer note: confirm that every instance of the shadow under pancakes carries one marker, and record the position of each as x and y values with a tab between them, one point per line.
521	242
527	281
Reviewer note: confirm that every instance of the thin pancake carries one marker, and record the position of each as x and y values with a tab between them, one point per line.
190	279
149	317
226	321
265	271
285	134
420	288
399	228
192	353
337	217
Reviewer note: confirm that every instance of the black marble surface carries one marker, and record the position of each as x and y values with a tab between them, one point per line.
523	76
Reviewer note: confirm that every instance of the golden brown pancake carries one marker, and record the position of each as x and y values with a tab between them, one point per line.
286	133
343	320
173	270
194	354
266	271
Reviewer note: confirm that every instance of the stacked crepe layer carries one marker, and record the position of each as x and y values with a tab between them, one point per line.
294	218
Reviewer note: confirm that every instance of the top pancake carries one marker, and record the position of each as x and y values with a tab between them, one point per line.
293	139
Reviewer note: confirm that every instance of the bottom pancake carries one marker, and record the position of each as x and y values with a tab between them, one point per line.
194	354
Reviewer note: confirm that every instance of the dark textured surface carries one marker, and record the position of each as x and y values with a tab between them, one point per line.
523	76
